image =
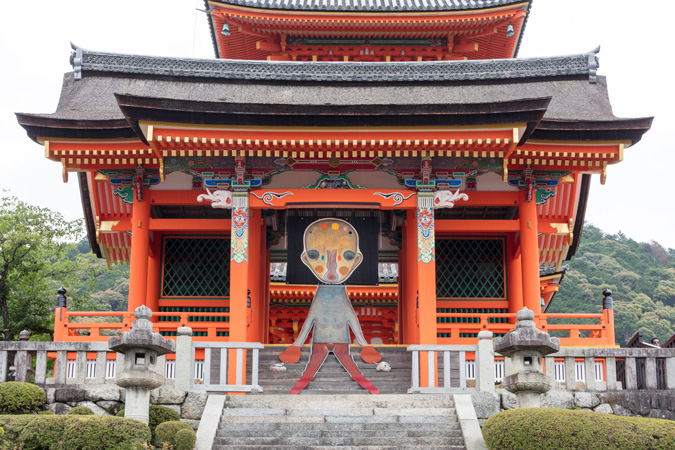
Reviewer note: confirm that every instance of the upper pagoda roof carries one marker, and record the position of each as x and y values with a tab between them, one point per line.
373	5
332	30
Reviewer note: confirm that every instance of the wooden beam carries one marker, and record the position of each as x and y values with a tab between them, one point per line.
201	225
472	226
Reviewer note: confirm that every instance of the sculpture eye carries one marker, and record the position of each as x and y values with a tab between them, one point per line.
349	255
313	255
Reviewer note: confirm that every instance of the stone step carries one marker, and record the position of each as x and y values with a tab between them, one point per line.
344	412
329	447
391	433
336	441
327	401
263	428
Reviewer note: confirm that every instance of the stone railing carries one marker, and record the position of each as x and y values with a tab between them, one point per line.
439	368
573	369
80	370
93	363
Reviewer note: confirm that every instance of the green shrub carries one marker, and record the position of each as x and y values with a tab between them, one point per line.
20	398
157	414
186	439
47	412
165	433
103	433
43	432
81	411
13	426
548	428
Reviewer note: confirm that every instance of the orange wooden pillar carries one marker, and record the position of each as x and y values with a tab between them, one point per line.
401	294
255	280
411	294
154	268
421	223
140	247
514	277
426	268
265	319
239	269
529	252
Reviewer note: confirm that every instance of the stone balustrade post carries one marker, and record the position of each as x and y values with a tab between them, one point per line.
610	373
41	367
570	373
631	374
61	367
650	373
22	359
589	366
183	359
670	373
101	361
80	367
486	362
549	366
3	366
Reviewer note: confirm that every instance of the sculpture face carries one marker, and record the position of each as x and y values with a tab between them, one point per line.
331	250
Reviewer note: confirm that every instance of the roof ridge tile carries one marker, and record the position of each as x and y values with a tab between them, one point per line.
584	64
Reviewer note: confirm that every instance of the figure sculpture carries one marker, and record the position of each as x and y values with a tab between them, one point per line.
331	252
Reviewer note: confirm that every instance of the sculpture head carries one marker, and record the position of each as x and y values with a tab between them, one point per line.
331	250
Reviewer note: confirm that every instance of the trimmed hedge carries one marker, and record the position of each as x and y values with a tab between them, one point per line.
549	428
157	414
165	433
37	432
43	432
21	398
185	439
104	433
14	425
81	411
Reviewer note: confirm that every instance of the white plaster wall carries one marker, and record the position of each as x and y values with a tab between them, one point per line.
492	182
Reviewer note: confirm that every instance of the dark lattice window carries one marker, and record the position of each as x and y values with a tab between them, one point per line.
196	267
470	268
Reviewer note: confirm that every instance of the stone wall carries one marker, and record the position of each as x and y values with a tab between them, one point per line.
643	403
109	399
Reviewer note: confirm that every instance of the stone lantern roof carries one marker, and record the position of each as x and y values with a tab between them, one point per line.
141	335
526	336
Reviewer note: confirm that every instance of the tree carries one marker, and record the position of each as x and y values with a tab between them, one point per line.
34	247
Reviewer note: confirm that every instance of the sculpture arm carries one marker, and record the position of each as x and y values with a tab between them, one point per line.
368	353
292	354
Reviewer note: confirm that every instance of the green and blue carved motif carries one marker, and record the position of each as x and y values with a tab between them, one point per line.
327	181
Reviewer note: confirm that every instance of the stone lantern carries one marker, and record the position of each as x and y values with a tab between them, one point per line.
526	346
141	348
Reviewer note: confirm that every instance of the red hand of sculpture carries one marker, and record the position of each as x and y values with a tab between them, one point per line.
370	355
291	355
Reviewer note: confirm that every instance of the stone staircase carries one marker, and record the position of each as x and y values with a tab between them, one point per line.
333	378
374	422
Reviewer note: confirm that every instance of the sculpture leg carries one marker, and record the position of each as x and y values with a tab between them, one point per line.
341	352
316	359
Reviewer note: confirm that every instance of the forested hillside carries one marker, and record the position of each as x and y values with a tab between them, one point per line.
640	275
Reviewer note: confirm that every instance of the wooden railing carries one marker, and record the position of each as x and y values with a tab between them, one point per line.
500	323
65	330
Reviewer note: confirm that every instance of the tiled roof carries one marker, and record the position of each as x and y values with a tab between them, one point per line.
373	5
584	64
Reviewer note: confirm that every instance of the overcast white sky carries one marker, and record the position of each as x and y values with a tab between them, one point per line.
636	39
